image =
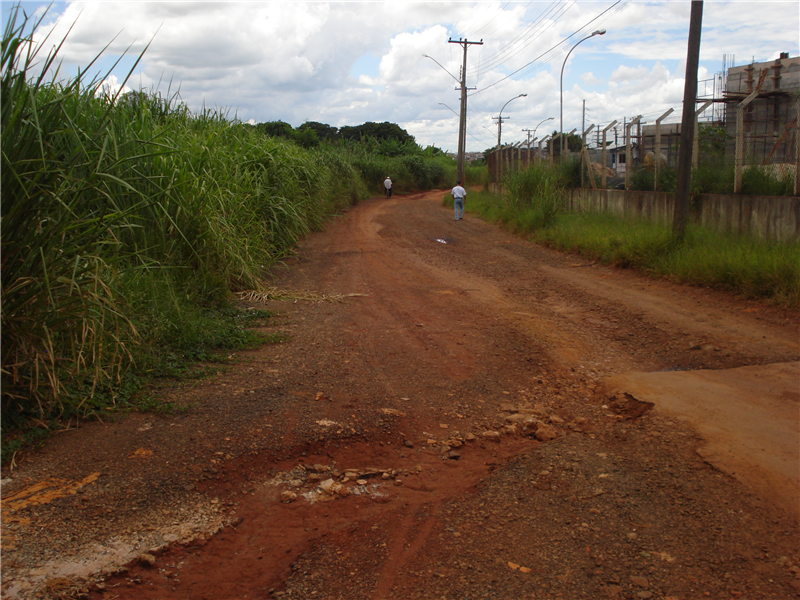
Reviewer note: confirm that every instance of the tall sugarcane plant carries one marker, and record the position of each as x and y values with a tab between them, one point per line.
121	215
62	192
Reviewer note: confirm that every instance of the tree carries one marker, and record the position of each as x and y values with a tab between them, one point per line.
324	132
574	143
379	131
276	129
306	137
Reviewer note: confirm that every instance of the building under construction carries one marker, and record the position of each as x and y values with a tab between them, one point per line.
770	118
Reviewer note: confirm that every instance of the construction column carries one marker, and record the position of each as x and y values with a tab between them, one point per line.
462	127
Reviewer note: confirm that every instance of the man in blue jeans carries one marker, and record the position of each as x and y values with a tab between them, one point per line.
459	193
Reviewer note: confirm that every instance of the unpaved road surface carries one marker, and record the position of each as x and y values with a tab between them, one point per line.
472	416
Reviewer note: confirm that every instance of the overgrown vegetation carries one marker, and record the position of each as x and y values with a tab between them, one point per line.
746	266
752	268
128	221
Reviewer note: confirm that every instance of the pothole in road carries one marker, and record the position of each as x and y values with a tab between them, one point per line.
279	511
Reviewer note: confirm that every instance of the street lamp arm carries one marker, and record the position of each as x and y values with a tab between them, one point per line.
514	98
543	121
500	118
448	108
445	70
561	82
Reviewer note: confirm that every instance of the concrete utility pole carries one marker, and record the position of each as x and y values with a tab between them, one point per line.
687	122
462	127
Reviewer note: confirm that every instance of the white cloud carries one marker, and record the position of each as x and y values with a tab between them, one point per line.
590	79
110	87
294	60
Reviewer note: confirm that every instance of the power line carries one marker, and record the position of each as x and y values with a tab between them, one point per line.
552	48
530	34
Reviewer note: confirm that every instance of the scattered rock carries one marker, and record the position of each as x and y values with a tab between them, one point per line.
453	455
492	436
784	561
147	560
287	497
392	412
545	433
330	487
640	581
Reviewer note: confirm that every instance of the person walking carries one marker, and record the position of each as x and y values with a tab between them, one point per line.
459	194
387	183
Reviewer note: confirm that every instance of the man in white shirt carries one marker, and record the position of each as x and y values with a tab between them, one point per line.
459	194
387	183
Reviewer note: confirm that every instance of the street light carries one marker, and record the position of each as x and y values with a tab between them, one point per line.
500	118
561	130
545	121
448	108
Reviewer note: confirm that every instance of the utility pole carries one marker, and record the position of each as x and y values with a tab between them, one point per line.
687	122
462	127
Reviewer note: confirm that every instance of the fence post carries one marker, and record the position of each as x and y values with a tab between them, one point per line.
628	157
797	150
553	147
605	164
696	140
657	153
586	152
542	141
739	159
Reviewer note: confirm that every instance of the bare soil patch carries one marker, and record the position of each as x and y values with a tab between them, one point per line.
457	429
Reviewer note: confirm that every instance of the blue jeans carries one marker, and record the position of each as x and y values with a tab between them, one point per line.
458	203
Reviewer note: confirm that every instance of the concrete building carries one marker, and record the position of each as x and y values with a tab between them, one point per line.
770	124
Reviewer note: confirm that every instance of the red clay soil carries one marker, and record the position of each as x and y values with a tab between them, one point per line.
449	419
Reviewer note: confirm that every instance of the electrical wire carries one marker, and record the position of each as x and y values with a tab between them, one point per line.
553	48
529	35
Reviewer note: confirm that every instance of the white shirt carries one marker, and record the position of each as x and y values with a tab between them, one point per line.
459	192
388	183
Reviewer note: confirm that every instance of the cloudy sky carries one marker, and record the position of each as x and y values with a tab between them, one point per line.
346	63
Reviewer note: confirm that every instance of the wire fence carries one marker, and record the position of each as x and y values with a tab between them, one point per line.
763	134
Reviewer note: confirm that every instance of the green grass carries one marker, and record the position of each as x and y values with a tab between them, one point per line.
745	266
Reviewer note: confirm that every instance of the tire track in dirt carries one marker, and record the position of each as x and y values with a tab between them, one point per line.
451	340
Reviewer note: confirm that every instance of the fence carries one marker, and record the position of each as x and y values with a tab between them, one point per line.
763	133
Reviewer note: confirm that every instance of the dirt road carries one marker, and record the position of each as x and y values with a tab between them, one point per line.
473	417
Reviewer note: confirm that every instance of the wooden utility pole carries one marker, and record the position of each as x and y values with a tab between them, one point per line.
687	122
462	126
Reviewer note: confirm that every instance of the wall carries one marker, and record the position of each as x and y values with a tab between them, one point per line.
775	218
